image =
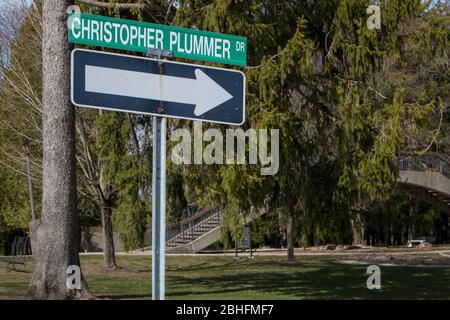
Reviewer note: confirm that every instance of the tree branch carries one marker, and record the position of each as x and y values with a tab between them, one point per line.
133	131
124	6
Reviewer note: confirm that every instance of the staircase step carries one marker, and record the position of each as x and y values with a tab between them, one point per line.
195	231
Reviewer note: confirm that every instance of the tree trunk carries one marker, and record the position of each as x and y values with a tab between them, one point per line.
357	229
86	240
56	240
109	258
447	227
411	230
290	237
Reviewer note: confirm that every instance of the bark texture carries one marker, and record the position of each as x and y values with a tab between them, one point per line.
358	229
109	258
56	237
290	237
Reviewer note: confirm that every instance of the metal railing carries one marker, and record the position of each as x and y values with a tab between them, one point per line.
429	162
19	249
194	227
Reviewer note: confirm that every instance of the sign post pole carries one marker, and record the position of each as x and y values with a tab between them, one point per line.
159	208
124	83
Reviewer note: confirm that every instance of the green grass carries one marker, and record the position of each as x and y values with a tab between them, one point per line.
220	277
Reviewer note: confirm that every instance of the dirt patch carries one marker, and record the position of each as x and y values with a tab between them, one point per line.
12	298
368	249
400	260
101	271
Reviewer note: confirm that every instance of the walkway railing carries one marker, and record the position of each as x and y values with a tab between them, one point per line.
429	162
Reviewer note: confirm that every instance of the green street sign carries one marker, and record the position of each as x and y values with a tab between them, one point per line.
141	36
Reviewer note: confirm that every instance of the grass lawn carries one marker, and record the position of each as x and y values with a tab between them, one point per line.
264	277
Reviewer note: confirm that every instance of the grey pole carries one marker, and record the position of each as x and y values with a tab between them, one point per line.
30	182
159	208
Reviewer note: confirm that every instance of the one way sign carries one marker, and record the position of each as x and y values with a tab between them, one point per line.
147	86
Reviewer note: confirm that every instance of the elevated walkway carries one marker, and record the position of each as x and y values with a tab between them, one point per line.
426	177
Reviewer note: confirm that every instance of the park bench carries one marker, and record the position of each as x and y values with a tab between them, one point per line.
19	250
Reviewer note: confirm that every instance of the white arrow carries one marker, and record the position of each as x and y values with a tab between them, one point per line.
203	92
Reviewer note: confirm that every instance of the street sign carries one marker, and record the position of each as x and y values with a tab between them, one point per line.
141	36
247	239
178	90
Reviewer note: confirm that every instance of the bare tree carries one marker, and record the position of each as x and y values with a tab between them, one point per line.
21	106
97	184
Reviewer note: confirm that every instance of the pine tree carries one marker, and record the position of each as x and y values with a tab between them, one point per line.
319	75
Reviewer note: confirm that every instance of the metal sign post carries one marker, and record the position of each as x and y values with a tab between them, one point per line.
159	208
133	84
184	91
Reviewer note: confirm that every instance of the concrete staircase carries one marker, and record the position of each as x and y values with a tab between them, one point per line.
197	232
193	234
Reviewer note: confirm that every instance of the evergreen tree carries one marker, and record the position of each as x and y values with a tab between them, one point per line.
319	75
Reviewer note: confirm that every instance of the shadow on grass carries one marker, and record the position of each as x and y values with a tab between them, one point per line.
312	281
125	297
259	278
207	266
270	278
